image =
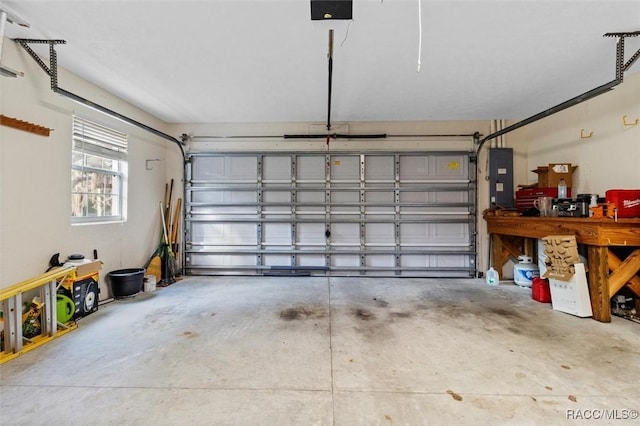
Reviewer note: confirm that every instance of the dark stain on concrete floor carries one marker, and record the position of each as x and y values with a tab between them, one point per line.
364	314
303	312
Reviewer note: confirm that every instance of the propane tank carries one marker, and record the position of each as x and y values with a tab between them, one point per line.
524	272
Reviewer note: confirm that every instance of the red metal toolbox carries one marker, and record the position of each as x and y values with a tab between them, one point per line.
627	201
525	197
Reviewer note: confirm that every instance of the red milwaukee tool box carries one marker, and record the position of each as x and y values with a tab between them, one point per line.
525	197
627	201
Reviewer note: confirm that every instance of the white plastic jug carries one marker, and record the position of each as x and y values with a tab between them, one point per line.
492	277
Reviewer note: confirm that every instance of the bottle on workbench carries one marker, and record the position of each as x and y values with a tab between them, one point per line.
562	189
492	277
593	203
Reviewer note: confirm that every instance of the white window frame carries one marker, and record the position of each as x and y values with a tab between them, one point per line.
96	143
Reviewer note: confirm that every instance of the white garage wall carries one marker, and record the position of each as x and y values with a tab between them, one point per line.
606	160
35	177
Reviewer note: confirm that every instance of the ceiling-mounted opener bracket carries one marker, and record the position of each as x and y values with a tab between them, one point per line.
52	69
621	66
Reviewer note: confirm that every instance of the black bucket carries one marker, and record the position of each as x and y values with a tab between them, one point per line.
126	282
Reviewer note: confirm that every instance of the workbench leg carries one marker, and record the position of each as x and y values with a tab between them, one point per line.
528	248
599	283
496	253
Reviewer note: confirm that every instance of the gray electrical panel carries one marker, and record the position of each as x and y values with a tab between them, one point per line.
501	177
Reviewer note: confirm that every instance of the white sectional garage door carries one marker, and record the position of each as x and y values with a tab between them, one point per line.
341	214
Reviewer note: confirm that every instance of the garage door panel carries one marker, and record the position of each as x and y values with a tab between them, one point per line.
345	168
345	234
379	168
380	261
222	212
416	233
387	195
398	214
414	167
276	234
210	196
450	197
343	200
450	167
218	260
380	205
225	233
452	233
313	196
316	203
413	261
339	195
380	234
316	260
432	261
242	168
416	197
225	169
448	261
310	168
219	202
311	234
276	196
434	167
209	168
276	168
277	260
219	196
345	260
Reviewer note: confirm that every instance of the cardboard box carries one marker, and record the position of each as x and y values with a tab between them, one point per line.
88	268
561	253
572	297
549	176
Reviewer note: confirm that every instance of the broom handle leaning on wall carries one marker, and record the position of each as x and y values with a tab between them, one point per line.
175	223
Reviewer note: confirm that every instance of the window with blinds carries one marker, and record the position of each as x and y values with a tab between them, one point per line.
98	172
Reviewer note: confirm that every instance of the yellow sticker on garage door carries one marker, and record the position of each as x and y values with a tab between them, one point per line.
454	165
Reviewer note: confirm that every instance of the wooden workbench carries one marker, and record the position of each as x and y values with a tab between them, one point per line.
513	236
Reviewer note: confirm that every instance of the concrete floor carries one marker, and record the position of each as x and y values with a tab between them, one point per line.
343	351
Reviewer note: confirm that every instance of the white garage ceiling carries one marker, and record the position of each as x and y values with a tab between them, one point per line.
266	61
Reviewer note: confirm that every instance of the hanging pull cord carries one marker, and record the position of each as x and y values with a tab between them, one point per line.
419	33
